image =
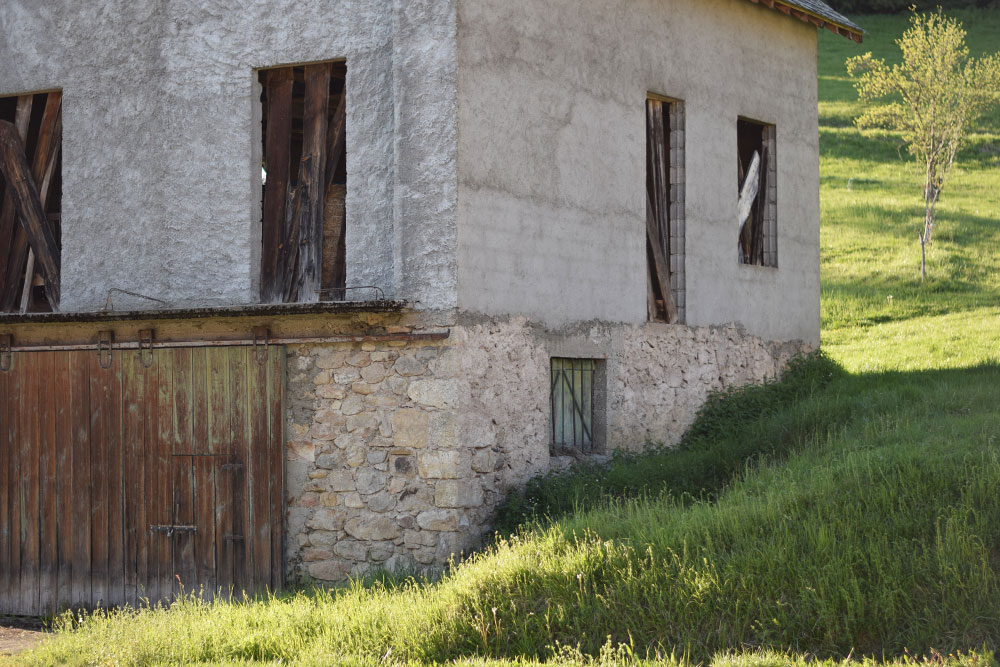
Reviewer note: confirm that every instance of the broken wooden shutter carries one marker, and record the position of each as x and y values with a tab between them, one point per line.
757	207
302	240
660	293
30	147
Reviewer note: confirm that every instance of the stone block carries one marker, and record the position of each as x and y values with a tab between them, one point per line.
355	456
329	570
438	519
328	499
347	377
353	500
419	538
351	549
363	388
341	480
381	552
402	465
313	555
410	428
370	481
458	493
352	405
407	366
303	450
362	422
373	374
439	394
440	465
331	392
326	519
381	502
372	528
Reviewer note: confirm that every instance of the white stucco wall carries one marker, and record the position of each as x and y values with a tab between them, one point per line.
551	157
161	138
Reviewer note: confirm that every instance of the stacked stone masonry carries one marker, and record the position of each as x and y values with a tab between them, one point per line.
399	451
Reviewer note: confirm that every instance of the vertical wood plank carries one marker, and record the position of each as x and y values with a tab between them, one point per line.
48	512
8	214
312	181
276	448
14	383
204	520
182	543
133	385
100	477
29	487
161	473
220	427
277	165
237	477
181	426
5	432
149	543
63	389
201	441
116	479
260	489
80	419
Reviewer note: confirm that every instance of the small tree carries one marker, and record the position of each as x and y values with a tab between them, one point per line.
931	98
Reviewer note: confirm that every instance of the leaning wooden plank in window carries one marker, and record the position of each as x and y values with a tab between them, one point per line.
757	208
661	293
28	188
302	244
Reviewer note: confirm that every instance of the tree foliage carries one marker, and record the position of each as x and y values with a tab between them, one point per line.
931	98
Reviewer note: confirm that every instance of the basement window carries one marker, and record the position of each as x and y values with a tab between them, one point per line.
665	209
577	401
303	183
30	201
758	193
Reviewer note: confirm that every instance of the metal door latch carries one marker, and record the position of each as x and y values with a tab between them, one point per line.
169	530
104	343
146	347
260	336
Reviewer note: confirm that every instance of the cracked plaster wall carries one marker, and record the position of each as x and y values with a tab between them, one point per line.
161	138
551	157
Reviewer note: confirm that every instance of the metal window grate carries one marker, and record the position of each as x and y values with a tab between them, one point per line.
572	397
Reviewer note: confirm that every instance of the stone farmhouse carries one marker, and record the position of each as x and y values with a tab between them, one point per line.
294	290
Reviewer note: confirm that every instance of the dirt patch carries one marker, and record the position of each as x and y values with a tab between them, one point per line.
19	633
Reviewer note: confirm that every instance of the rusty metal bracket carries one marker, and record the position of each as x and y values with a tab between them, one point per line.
260	336
6	357
146	347
105	340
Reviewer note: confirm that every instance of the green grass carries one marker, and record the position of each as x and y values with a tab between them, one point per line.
876	315
842	517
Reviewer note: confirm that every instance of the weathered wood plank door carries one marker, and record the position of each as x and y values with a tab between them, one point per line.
135	475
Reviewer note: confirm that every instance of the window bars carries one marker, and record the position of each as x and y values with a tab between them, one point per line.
572	398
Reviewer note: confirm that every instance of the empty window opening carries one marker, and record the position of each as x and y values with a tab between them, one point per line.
30	201
304	183
665	209
577	400
758	201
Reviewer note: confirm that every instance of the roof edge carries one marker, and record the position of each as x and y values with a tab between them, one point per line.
834	22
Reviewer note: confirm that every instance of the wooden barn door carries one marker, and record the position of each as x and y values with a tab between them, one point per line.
126	477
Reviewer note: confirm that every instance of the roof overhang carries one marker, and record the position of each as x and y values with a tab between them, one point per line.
830	20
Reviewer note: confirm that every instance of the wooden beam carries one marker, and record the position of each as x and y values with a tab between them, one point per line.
661	269
8	215
31	212
335	137
277	166
311	190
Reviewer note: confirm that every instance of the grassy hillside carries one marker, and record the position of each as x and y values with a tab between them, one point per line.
876	314
836	516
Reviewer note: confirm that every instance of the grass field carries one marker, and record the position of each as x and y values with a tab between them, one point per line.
875	313
850	515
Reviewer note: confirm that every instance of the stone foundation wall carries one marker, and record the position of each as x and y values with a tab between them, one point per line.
399	451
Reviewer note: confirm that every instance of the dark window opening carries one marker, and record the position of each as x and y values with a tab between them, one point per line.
577	402
665	210
30	202
757	208
304	183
